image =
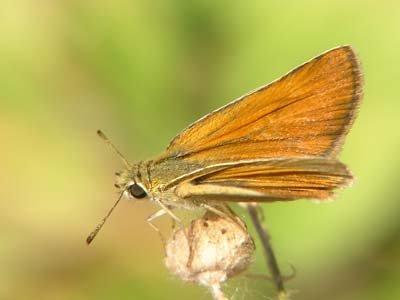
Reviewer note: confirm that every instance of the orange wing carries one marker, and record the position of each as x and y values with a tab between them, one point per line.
278	179
307	112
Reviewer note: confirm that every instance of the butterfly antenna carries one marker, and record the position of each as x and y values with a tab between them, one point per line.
111	145
93	234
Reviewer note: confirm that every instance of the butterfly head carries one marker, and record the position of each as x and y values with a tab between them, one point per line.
130	185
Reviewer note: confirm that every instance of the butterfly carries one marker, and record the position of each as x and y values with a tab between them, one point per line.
280	142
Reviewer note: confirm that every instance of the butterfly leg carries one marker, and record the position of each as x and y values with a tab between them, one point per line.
168	210
214	210
230	214
154	216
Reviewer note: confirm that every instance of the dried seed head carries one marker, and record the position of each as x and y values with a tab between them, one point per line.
209	251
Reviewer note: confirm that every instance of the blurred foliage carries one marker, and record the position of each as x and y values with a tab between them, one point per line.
142	71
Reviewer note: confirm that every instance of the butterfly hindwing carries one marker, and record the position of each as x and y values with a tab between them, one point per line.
269	180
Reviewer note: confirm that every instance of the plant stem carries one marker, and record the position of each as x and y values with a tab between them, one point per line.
269	253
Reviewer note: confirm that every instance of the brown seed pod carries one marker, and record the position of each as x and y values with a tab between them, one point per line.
209	251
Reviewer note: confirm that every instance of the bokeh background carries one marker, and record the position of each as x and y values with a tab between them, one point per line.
142	71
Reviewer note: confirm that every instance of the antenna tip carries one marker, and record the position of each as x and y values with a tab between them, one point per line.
93	234
89	239
100	133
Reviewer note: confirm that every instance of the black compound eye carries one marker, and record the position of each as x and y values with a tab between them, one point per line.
137	191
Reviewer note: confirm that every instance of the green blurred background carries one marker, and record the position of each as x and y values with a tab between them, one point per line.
142	71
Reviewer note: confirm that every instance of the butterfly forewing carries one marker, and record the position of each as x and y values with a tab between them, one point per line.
305	113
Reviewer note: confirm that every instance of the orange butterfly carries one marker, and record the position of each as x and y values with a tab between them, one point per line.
277	143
